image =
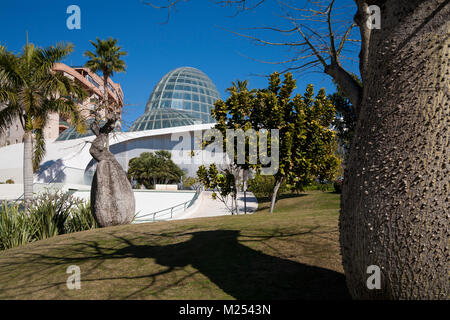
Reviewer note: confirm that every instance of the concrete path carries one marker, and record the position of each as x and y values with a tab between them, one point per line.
208	207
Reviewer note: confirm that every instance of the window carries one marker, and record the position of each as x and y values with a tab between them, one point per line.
177	95
187	105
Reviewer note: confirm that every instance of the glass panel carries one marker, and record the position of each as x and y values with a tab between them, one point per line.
177	103
167	94
195	97
177	95
187	105
195	106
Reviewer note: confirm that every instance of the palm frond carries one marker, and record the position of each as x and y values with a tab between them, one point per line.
38	148
7	116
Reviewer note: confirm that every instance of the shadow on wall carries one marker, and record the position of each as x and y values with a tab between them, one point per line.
240	271
52	172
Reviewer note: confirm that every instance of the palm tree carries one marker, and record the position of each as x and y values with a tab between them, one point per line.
30	90
107	60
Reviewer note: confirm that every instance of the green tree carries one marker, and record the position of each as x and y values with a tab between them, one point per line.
31	91
107	59
306	142
151	168
221	182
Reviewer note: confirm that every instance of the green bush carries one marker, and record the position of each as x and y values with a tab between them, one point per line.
48	215
16	227
315	185
262	186
9	181
81	219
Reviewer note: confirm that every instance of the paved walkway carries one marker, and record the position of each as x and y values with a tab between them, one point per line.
213	208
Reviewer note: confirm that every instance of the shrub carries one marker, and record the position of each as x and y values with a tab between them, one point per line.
9	181
16	228
81	219
191	183
50	211
262	186
48	215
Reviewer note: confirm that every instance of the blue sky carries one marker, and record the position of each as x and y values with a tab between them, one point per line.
192	37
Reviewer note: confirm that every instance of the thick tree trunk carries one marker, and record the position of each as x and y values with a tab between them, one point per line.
275	194
112	198
27	167
395	209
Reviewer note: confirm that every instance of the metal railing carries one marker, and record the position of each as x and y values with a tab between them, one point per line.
170	210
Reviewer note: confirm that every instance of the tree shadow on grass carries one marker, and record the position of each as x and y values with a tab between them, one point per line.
240	271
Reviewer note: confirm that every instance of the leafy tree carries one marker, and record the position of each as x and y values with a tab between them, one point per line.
31	91
151	168
306	142
223	183
107	59
191	182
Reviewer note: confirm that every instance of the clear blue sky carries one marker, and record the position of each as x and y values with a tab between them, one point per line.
192	37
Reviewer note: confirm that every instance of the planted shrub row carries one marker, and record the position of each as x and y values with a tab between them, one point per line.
48	215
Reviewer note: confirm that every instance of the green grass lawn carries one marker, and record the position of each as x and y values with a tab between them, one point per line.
291	254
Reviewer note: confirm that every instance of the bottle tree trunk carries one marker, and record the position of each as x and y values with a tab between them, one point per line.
395	209
112	198
27	168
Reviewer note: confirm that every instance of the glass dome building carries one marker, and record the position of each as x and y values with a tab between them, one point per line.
184	96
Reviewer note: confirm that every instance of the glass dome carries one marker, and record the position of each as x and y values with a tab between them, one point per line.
164	118
186	89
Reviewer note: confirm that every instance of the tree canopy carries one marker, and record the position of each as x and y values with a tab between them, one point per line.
151	168
306	143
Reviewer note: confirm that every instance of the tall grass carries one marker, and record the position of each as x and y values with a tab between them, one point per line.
16	228
49	214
